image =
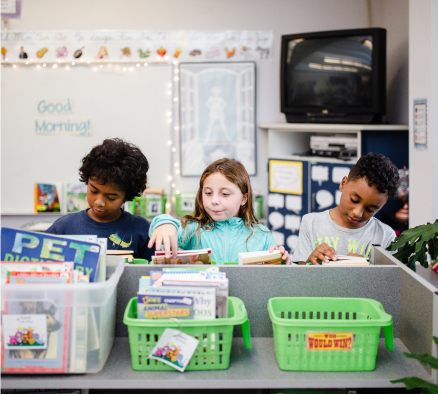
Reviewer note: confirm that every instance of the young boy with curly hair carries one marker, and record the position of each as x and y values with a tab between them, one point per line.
351	228
114	172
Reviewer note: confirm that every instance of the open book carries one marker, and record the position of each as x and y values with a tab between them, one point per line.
344	261
262	257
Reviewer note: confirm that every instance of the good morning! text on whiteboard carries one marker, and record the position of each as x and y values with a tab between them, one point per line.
49	125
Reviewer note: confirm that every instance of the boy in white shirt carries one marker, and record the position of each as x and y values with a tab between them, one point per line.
351	228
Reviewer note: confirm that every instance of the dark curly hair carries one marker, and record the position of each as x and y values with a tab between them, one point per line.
379	171
119	162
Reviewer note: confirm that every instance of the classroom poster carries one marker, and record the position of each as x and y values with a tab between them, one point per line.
217	115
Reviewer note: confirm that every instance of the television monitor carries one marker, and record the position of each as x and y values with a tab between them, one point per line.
334	76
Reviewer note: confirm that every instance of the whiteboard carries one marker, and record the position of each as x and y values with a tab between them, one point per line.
132	105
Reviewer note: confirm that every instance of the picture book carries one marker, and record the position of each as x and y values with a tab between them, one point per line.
144	283
41	278
28	324
201	256
262	258
204	299
19	245
162	306
157	277
46	198
76	197
348	261
221	286
21	266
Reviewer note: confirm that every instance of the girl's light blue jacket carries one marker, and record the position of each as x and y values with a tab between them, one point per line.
226	240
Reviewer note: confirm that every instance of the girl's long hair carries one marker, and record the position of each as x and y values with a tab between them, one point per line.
236	173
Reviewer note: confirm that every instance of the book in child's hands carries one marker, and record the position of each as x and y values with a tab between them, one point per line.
199	256
348	261
262	257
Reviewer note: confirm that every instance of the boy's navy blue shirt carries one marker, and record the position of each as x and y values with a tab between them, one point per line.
128	232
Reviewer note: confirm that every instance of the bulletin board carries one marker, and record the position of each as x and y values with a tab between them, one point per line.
106	101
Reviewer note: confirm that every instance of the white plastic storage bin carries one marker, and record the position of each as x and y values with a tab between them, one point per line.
60	328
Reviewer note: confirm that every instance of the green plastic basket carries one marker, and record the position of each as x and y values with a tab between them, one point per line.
147	206
258	206
215	337
297	321
184	204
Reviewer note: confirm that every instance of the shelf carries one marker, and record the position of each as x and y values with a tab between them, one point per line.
330	128
248	369
286	140
315	158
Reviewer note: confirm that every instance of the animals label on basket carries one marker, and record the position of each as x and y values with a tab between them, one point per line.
19	245
153	306
323	341
199	256
174	348
346	261
260	258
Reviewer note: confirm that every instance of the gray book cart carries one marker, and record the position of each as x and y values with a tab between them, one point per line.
411	298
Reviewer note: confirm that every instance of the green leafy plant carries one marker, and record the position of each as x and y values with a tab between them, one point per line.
414	382
415	243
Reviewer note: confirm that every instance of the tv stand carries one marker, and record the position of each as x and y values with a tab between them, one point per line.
285	140
333	118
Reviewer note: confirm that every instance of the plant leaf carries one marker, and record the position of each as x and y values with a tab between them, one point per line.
426	359
419	234
435	339
411	262
433	248
414	382
404	252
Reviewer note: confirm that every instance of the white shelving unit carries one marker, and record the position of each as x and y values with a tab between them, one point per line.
287	140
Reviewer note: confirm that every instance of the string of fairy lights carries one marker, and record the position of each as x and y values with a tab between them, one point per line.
172	91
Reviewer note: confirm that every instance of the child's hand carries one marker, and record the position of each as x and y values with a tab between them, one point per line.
322	252
168	235
285	254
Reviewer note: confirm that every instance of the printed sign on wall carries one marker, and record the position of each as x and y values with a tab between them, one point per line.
49	125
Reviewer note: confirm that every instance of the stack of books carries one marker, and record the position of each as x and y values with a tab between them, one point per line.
183	293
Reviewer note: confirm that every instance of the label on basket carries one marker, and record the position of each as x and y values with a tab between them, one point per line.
321	341
174	348
24	332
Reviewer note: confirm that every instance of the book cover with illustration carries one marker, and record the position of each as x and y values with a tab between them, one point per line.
200	256
20	245
76	197
155	306
20	266
35	334
47	198
204	299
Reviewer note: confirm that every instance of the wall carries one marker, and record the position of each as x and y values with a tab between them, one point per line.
280	16
423	83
